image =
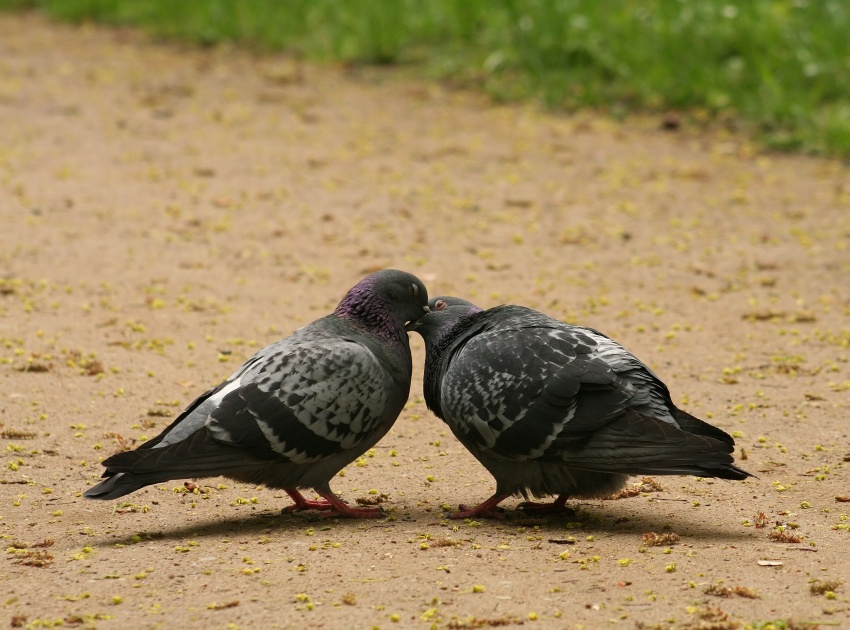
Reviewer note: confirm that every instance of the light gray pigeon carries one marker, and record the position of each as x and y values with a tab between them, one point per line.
297	411
554	409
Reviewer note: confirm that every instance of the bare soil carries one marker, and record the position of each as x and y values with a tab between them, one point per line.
167	211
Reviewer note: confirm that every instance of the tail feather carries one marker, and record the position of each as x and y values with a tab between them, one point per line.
725	471
119	484
199	455
719	471
695	467
635	444
694	425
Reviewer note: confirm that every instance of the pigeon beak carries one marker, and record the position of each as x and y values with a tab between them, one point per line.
413	325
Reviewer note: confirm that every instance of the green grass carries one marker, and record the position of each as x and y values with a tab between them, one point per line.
782	67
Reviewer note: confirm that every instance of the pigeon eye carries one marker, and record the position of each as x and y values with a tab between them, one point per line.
414	290
440	305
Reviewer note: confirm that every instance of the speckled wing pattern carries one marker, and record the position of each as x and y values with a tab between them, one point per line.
303	405
300	401
520	386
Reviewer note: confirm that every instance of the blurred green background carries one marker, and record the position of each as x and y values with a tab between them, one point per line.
777	69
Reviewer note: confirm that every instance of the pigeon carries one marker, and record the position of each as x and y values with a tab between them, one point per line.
299	410
549	408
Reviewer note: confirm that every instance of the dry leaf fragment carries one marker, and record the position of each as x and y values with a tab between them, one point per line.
820	587
783	536
651	539
730	591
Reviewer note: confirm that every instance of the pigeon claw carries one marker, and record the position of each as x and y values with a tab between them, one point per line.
302	503
340	508
466	512
489	508
558	506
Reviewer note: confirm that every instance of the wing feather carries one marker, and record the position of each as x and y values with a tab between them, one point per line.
526	384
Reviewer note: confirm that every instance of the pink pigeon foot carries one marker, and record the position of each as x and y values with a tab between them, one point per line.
558	506
341	508
489	508
302	503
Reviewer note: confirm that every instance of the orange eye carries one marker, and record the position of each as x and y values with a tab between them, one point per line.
440	305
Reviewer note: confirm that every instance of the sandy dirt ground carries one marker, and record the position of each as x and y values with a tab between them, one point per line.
167	211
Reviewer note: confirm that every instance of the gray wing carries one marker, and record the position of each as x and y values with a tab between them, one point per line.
306	404
521	393
300	404
196	414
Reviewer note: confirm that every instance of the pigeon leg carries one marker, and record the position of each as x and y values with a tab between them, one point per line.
303	504
340	508
558	506
490	508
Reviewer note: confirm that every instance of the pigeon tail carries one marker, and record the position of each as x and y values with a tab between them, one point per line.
199	455
724	471
115	486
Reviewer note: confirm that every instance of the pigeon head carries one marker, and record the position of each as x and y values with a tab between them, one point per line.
446	313
385	301
453	305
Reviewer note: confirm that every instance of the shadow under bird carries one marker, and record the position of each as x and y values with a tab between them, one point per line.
549	408
299	410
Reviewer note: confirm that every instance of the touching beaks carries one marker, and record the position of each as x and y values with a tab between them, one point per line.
411	325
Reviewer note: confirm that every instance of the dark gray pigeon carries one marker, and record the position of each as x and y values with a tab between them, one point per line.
554	409
297	411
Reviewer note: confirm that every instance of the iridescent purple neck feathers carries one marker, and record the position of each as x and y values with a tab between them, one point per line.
367	308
